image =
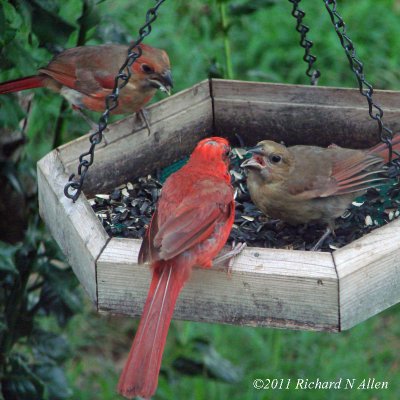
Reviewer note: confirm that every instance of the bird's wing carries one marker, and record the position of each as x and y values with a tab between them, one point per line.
89	69
350	172
62	73
188	223
356	173
91	83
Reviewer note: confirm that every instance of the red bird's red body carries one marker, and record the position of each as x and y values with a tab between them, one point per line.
85	76
192	222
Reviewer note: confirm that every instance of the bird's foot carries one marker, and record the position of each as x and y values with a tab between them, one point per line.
237	248
144	116
322	239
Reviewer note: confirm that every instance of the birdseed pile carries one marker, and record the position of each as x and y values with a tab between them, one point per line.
126	212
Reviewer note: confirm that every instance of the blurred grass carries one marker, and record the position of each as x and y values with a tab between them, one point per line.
370	350
264	48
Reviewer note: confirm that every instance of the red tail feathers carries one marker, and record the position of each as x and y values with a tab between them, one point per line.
30	82
140	374
382	150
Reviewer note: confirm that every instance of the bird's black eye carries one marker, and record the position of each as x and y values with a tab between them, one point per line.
147	69
275	158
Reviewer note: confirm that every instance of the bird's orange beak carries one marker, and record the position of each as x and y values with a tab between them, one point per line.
253	162
163	81
257	160
167	78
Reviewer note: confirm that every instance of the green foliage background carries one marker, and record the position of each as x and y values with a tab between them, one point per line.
51	357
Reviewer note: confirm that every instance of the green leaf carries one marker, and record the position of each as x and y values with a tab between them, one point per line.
59	295
203	359
50	27
24	325
50	345
90	16
3	325
21	389
7	32
55	381
10	111
7	260
20	382
9	170
10	14
49	5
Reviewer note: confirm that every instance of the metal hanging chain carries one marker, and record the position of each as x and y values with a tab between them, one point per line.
73	188
366	89
305	43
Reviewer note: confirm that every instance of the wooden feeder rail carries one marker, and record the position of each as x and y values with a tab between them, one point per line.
268	287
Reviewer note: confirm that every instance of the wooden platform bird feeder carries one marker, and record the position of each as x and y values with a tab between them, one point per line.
268	287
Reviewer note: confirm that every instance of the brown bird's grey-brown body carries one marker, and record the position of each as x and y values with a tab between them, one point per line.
302	184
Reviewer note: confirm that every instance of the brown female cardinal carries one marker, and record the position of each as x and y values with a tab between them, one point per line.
85	76
192	222
301	184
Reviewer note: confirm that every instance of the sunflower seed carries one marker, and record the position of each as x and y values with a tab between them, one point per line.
237	175
103	196
368	221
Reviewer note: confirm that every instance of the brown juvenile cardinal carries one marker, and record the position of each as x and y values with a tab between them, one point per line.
85	76
192	222
302	184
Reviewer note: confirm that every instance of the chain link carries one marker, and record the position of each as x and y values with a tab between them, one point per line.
305	43
366	89
73	188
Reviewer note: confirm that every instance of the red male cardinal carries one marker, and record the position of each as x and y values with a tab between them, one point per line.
192	222
301	184
85	76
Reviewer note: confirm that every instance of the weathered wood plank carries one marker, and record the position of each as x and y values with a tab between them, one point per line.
369	274
277	288
177	124
300	114
74	226
300	94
